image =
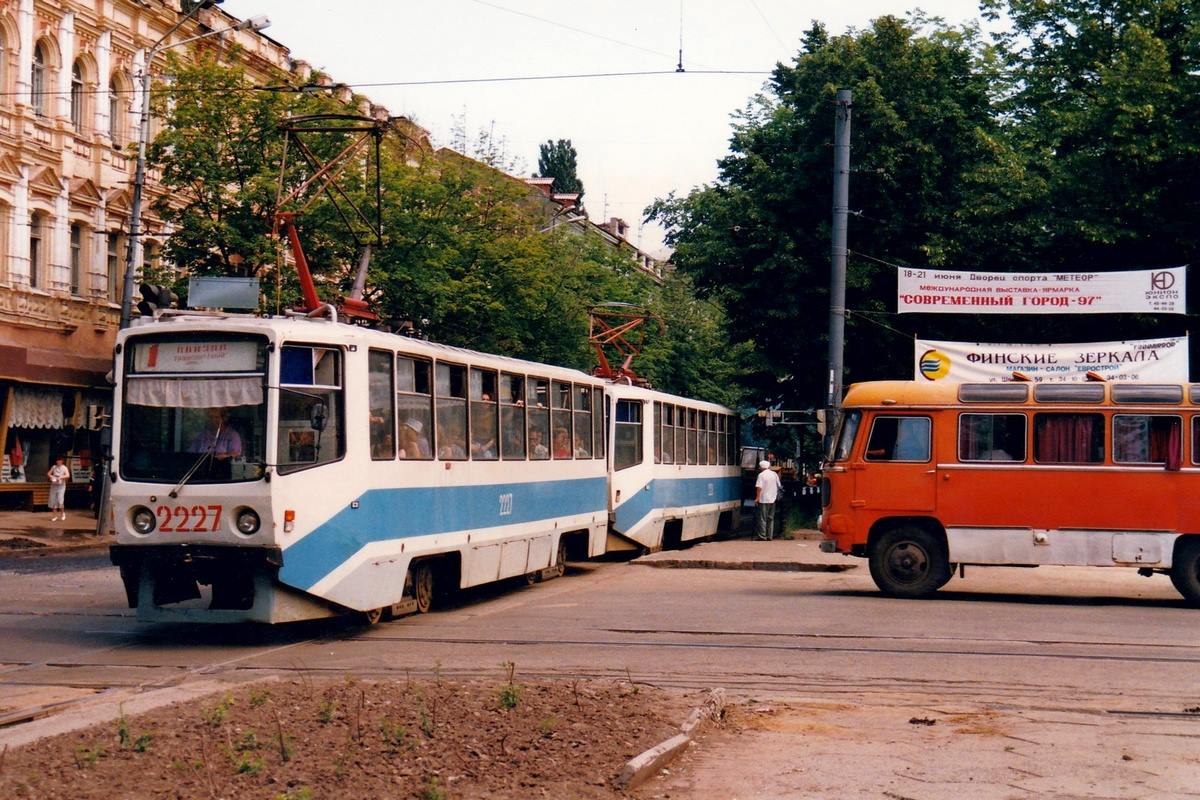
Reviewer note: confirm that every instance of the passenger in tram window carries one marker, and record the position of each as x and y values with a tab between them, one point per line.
453	443
537	448
562	443
581	447
413	443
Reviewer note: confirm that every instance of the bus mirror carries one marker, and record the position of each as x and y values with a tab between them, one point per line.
820	413
317	417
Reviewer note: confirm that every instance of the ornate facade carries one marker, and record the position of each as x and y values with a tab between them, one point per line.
70	73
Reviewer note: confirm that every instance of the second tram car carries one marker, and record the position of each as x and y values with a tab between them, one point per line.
279	469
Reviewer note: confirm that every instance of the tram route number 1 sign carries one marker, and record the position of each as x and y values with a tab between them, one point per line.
932	291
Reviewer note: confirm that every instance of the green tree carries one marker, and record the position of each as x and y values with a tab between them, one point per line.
925	143
557	159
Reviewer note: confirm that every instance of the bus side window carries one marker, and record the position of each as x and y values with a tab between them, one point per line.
1146	439
991	437
899	439
1068	438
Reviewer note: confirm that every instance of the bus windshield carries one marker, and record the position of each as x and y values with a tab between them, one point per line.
194	408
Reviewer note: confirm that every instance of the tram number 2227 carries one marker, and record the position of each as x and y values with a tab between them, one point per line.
506	504
185	519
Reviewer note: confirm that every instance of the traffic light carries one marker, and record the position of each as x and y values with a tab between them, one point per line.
188	6
155	298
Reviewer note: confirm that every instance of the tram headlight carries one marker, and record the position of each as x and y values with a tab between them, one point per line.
247	521
143	520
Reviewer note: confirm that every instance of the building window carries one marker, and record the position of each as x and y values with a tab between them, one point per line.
37	225
78	258
37	81
115	128
77	97
114	267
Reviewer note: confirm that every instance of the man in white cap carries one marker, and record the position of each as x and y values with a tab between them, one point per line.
766	492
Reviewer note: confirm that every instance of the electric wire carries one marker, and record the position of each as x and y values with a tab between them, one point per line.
767	22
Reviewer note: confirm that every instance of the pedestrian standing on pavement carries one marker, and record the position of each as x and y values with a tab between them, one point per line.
58	476
766	492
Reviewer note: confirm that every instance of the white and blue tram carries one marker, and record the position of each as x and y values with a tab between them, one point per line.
278	469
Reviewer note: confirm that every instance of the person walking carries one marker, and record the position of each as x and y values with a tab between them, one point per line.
766	492
58	476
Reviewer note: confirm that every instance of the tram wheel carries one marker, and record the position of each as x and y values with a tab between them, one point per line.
560	562
1185	569
422	583
909	561
373	616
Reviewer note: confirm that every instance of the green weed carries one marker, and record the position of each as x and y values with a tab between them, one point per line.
433	790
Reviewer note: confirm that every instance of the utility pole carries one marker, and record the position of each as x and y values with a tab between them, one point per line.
837	254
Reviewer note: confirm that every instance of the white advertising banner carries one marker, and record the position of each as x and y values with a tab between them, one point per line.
933	291
1154	360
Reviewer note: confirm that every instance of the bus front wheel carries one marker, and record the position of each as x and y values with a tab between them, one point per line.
909	561
1185	569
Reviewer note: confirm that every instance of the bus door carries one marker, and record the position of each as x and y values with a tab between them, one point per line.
896	470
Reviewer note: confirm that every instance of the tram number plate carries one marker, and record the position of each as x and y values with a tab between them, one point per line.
188	519
506	504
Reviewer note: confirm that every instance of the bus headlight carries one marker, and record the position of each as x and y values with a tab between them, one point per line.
143	520
247	522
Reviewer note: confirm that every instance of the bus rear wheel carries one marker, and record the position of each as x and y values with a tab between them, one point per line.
1185	570
909	561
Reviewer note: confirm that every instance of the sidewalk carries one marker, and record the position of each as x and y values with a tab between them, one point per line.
801	554
25	533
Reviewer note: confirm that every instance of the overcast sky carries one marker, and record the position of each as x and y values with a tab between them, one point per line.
638	137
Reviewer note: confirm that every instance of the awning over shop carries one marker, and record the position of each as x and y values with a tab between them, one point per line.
36	408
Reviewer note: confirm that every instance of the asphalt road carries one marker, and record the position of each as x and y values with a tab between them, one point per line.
1094	641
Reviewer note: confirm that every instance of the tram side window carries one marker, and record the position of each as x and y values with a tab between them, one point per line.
627	448
484	407
991	437
668	434
1147	439
693	437
583	421
512	416
722	439
414	399
450	395
702	437
310	407
1068	438
539	418
598	422
712	438
382	398
730	437
681	435
658	423
560	398
899	439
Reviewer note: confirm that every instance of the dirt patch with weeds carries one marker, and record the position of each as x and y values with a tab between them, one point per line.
305	740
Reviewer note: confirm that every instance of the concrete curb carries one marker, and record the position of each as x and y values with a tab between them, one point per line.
642	767
765	566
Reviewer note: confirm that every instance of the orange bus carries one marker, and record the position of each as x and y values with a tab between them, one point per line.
925	478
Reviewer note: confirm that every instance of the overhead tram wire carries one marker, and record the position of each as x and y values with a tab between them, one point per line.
767	22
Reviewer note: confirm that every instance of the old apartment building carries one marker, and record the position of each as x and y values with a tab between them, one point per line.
69	104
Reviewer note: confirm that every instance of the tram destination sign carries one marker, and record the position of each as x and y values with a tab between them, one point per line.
933	291
1154	360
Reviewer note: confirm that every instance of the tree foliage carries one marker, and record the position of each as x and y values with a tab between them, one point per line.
557	159
1067	143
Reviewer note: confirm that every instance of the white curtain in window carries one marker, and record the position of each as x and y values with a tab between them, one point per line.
36	408
195	392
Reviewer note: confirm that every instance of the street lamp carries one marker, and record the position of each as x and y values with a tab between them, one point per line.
139	178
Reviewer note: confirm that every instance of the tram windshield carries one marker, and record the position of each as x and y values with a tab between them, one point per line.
194	410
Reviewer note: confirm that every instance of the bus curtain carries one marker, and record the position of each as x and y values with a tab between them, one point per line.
195	392
1066	438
